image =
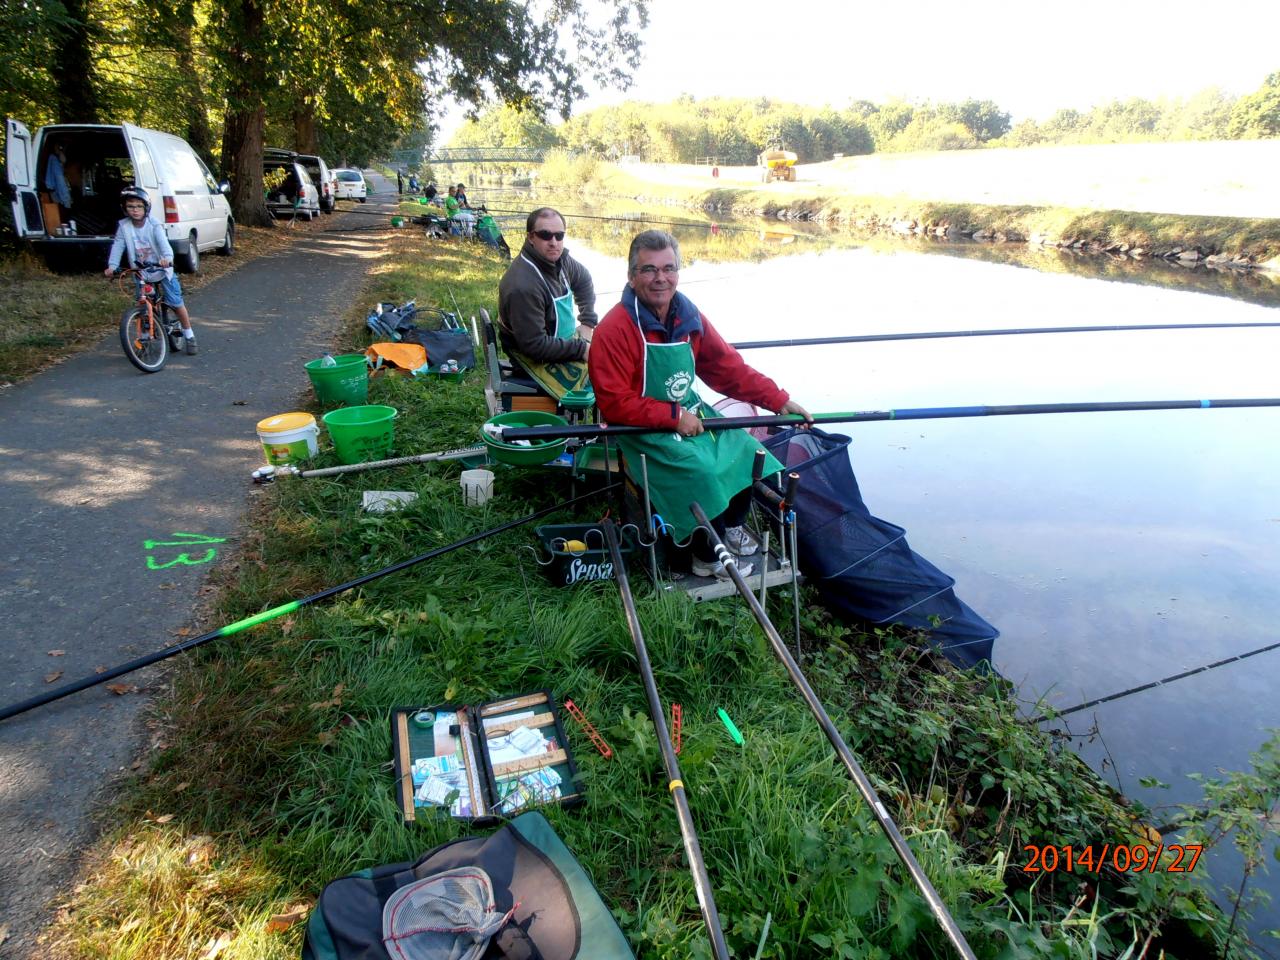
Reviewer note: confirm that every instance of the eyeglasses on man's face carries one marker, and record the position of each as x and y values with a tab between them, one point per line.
549	234
652	270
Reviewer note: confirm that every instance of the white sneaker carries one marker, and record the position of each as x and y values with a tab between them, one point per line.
740	541
715	568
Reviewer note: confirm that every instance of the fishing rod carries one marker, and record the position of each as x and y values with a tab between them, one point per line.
675	785
268	473
1005	332
860	779
908	413
1053	714
279	611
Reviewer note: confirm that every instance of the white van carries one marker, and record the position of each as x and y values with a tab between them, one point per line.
101	159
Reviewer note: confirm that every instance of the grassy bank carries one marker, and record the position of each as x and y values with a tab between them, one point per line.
1222	241
270	772
45	316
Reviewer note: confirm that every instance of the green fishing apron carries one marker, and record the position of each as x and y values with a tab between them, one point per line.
560	376
710	468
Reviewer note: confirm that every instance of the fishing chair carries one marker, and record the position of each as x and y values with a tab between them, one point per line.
506	392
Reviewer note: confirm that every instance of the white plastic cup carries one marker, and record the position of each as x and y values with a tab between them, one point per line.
477	487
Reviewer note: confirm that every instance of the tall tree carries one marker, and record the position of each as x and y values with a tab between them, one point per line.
75	87
473	49
982	118
1258	114
249	63
27	45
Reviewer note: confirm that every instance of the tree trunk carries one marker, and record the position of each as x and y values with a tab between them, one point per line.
245	119
242	160
199	135
304	128
74	78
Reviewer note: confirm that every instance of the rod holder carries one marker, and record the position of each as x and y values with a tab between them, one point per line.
789	498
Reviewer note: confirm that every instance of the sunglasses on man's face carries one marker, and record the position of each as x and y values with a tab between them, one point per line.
549	234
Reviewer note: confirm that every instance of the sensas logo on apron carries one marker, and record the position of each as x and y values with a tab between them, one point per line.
678	386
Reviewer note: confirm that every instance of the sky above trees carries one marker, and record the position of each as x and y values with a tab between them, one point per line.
1032	59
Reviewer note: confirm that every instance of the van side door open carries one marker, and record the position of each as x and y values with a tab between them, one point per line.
20	158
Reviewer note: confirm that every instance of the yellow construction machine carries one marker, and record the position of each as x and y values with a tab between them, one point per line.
777	165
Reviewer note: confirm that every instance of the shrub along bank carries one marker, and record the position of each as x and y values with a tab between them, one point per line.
270	774
1225	242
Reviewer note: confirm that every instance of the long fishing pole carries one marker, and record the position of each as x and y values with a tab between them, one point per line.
675	784
279	611
1004	332
908	413
1053	714
860	779
288	470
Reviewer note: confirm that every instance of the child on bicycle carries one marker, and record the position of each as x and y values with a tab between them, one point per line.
144	240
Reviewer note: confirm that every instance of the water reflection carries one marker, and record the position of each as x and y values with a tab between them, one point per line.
608	227
1110	549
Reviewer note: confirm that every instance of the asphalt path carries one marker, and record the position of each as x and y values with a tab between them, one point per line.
103	470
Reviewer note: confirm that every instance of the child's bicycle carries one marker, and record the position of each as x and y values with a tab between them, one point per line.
148	329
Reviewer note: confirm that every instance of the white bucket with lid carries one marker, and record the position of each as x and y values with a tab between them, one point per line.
289	437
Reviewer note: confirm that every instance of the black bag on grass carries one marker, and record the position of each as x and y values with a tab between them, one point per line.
443	346
556	912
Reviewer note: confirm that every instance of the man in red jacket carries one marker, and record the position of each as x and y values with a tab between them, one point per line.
644	357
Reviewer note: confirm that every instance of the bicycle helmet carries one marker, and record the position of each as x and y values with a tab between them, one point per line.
134	193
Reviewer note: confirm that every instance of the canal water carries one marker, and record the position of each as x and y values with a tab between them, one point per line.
1110	549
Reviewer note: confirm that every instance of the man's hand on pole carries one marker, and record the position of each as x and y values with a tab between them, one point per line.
689	425
792	407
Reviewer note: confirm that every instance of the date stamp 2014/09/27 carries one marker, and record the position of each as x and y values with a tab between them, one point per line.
1121	857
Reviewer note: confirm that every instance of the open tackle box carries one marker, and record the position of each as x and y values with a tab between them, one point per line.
482	762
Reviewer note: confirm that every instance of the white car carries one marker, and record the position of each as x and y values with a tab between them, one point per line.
322	177
351	185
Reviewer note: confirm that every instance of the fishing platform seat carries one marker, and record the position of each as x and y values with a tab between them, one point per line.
505	391
508	390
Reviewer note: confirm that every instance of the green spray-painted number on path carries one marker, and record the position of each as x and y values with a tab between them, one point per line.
182	559
189	540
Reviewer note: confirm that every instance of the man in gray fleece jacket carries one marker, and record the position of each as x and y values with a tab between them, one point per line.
537	320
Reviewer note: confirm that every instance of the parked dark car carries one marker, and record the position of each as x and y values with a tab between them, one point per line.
290	189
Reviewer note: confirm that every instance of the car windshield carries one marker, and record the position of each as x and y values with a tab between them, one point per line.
350	176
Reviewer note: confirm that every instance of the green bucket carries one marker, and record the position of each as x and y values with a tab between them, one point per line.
362	433
344	384
397	221
537	451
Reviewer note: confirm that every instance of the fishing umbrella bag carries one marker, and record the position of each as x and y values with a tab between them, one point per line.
517	894
862	565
